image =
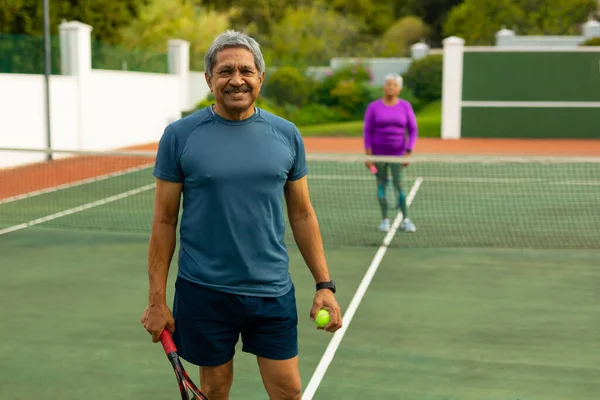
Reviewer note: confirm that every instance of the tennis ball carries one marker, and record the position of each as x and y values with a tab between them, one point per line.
322	318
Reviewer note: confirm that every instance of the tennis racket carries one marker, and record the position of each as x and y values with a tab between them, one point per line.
185	383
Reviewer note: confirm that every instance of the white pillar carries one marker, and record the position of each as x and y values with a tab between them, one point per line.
76	60
179	64
504	37
452	87
591	29
75	48
419	51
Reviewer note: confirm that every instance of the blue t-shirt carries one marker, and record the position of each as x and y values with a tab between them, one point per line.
233	175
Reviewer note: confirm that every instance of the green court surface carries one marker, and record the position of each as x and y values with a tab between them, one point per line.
434	324
495	297
72	304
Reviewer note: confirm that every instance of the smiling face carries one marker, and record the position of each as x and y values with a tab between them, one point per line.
235	83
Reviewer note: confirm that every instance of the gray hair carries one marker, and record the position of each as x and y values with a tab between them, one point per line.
395	77
231	39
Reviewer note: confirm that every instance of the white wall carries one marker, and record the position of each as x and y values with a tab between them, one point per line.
93	109
198	88
119	109
128	108
23	115
539	41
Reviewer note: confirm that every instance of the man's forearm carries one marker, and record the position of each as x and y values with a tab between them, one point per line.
307	235
160	253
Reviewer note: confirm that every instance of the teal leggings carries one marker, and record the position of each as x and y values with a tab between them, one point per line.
382	181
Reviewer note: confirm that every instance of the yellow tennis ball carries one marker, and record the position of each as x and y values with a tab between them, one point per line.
322	318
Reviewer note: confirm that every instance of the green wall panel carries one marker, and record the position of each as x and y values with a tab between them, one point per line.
576	123
531	76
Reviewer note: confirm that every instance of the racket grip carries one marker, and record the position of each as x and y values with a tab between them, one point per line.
167	342
373	169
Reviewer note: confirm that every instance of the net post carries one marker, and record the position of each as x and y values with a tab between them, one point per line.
47	73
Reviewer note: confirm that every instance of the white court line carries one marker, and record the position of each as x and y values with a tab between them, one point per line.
319	373
77	209
74	184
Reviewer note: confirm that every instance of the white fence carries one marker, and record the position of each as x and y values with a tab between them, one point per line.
94	109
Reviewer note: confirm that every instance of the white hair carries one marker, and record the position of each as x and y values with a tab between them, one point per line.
395	77
230	39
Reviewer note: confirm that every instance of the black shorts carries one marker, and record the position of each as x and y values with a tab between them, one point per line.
208	324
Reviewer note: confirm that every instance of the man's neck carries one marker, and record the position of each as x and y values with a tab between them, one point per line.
234	116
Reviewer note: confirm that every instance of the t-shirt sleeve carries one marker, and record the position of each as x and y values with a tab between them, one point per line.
299	168
167	165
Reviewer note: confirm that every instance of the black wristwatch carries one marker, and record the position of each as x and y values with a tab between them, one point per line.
326	285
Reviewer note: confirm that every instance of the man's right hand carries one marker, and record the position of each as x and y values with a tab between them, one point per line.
156	318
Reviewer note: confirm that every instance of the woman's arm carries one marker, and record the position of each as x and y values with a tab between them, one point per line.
413	130
368	129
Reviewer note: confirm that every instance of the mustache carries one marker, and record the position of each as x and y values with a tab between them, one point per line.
241	89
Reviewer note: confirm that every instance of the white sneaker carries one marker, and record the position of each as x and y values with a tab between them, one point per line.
408	226
385	225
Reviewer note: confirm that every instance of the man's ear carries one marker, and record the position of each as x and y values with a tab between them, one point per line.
261	78
208	81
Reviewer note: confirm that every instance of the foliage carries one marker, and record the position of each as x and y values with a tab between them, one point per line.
477	21
409	95
347	89
376	92
396	41
287	85
314	114
24	54
432	12
311	35
107	17
429	120
161	20
556	17
206	102
341	97
595	41
425	78
375	16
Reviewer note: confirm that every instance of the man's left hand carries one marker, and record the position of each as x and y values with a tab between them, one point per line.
325	299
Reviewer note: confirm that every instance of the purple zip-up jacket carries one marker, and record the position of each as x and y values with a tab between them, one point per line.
386	128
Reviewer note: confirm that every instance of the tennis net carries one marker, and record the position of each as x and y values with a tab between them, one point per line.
458	201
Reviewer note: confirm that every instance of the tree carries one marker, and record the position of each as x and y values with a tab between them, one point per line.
401	35
161	20
556	17
376	16
433	12
477	21
255	17
311	35
105	16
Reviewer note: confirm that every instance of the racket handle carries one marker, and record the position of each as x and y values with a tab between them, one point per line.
373	169
167	342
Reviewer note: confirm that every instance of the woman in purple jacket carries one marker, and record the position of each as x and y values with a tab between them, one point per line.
390	129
